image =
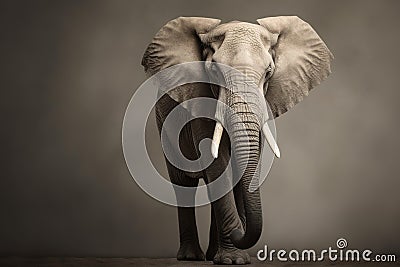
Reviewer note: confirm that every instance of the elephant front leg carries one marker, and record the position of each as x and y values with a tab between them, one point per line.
225	217
227	220
213	238
189	248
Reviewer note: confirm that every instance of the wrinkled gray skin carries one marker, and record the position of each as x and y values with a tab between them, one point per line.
285	58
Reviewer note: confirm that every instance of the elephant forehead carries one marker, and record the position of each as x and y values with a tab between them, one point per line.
243	32
241	28
243	39
244	29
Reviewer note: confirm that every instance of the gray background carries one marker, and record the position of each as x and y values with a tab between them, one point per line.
69	69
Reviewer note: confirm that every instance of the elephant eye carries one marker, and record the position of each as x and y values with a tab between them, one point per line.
268	72
214	41
216	38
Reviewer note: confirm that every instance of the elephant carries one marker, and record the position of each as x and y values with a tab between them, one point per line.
285	58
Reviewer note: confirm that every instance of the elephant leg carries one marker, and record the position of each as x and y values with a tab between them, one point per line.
213	238
226	218
189	248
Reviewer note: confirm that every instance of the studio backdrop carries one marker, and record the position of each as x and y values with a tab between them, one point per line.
69	70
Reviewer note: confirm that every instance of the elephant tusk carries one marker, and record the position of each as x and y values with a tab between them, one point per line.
219	115
216	139
270	139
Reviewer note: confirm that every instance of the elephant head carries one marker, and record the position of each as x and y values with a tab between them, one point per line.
283	56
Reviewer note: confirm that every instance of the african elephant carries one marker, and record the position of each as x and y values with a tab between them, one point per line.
285	58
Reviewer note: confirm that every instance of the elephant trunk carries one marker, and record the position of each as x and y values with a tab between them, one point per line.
245	134
244	120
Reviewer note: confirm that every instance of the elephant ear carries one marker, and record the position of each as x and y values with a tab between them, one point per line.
302	61
175	43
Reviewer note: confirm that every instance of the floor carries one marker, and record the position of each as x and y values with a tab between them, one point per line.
169	262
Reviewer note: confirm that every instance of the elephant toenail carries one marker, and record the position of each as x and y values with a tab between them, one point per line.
239	261
226	261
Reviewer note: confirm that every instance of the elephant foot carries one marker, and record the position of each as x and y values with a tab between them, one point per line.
231	256
190	252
